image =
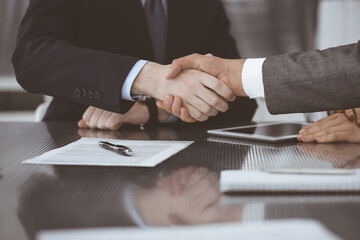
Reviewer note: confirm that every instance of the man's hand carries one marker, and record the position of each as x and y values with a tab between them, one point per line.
101	119
202	94
228	71
350	114
335	128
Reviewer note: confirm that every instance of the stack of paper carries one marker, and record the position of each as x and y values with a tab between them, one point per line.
279	230
249	181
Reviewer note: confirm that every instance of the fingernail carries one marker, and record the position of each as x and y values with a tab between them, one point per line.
300	137
318	138
167	100
169	69
302	131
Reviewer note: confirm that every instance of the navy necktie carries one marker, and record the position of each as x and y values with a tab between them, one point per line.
157	23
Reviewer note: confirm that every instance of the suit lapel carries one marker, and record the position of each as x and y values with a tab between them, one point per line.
134	15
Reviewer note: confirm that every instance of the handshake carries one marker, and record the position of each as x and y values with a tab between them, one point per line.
194	87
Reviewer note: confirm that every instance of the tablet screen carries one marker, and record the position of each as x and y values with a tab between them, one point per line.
277	130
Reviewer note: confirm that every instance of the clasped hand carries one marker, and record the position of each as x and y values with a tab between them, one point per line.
225	71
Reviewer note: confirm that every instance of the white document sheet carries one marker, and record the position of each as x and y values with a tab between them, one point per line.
244	181
269	230
87	151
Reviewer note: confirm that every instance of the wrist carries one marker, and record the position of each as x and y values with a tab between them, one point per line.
235	76
148	80
142	114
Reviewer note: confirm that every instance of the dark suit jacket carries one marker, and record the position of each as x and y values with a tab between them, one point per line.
313	81
80	51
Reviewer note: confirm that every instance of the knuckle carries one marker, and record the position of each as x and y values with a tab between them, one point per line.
196	115
92	124
100	125
229	95
86	116
109	125
215	101
87	122
213	113
217	84
225	107
208	110
204	118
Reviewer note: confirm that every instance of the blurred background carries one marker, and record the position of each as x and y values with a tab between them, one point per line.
261	27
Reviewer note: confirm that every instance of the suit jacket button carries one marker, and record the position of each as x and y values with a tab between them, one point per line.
90	94
77	92
97	95
83	93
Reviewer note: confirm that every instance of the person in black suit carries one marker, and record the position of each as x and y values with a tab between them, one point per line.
89	53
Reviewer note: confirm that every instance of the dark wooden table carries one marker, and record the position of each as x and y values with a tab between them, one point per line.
182	190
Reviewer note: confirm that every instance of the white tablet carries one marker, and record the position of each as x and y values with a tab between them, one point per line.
268	132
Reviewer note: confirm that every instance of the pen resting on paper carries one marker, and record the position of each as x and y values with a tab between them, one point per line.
121	149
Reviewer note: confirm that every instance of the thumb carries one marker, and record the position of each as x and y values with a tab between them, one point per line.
189	62
82	124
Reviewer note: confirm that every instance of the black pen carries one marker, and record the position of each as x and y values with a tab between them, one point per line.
121	149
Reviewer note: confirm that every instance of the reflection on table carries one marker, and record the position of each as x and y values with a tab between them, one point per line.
184	190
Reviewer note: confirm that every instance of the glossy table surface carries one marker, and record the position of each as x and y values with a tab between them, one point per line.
184	190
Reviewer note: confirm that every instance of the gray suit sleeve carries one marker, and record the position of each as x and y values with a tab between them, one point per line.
313	81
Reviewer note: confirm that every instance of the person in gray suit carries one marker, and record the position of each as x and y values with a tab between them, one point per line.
297	82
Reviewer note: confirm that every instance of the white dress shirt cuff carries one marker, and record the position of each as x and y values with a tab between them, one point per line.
126	88
252	77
